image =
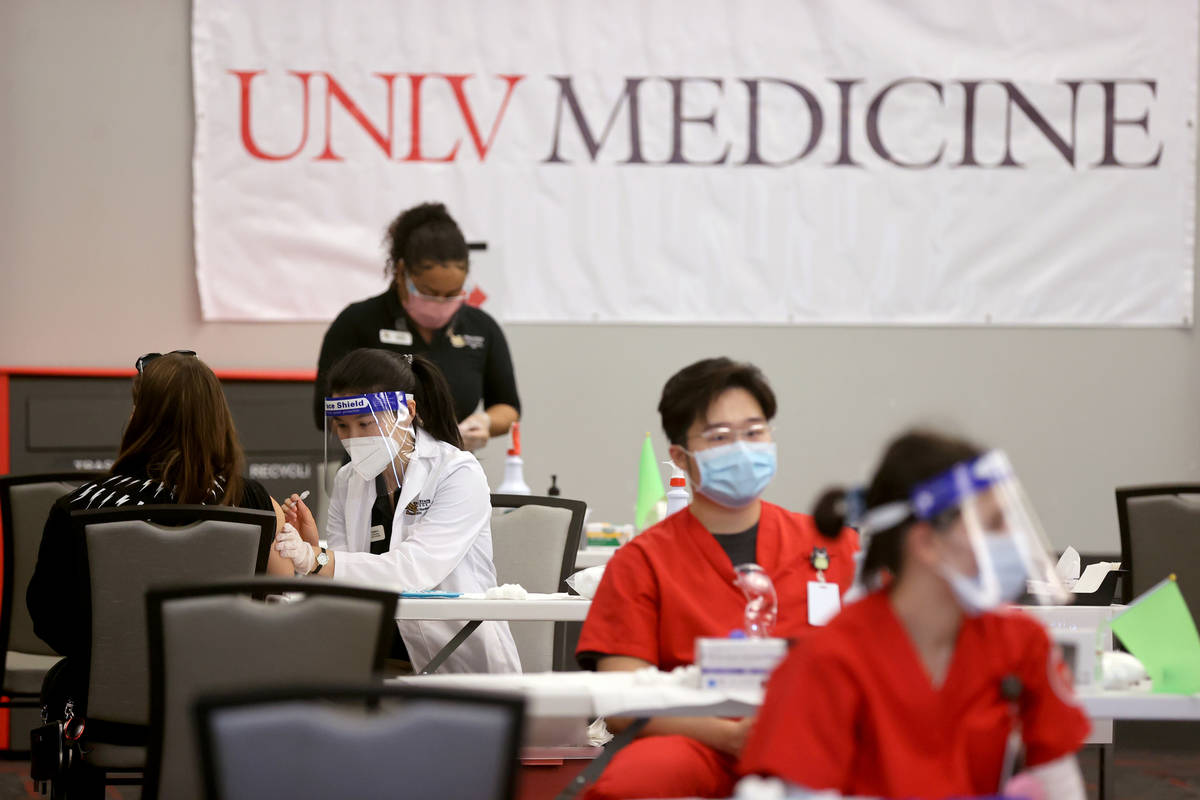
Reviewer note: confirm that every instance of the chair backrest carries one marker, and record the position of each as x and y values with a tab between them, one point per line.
375	743
1159	526
131	550
534	543
25	502
218	639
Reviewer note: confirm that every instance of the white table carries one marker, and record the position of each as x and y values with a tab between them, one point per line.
599	694
569	694
1105	705
563	695
593	557
475	612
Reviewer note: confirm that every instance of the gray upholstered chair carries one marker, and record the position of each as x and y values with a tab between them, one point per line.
534	543
369	744
1160	535
131	550
25	502
219	639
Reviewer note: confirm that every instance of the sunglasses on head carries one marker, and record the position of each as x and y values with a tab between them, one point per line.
146	359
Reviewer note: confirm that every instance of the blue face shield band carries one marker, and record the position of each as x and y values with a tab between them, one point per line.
734	475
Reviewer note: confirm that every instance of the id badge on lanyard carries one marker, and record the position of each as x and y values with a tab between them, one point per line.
824	599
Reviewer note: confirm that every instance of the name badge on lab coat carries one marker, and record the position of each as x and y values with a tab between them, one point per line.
824	602
402	338
378	534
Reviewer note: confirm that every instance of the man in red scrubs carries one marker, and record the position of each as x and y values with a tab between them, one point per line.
675	581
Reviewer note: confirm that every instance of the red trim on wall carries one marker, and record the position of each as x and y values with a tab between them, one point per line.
126	372
4	443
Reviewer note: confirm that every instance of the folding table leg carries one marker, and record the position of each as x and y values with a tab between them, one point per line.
451	646
1106	772
597	766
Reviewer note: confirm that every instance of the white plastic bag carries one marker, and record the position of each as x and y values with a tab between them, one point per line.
586	580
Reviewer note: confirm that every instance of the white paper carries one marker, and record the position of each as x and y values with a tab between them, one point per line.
1094	575
1068	566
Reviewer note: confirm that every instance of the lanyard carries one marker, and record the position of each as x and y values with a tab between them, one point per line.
820	562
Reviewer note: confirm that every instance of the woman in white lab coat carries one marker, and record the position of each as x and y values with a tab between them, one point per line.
411	511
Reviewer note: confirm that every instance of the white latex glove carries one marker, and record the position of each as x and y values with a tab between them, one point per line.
475	430
289	545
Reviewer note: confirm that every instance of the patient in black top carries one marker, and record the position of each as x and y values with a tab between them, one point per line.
180	446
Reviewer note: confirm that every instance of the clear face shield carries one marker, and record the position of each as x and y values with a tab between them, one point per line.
994	545
376	432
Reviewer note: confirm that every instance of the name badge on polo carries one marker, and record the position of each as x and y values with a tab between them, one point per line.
401	338
378	534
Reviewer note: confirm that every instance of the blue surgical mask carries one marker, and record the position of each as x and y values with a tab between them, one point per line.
1007	566
734	475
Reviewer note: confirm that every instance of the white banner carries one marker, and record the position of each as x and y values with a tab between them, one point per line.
706	161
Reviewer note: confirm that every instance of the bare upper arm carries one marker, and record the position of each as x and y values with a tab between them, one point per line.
278	515
620	664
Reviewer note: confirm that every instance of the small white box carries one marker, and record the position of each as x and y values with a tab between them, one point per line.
737	663
1079	648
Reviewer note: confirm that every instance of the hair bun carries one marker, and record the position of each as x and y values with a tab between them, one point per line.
412	220
829	513
421	215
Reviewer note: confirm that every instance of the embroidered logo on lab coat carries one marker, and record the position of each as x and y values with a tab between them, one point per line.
417	507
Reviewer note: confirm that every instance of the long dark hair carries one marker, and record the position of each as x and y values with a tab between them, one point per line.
423	234
911	458
181	432
369	369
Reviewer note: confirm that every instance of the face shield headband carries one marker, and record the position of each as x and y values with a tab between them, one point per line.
1007	543
373	448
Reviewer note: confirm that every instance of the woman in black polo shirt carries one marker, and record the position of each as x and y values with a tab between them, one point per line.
424	311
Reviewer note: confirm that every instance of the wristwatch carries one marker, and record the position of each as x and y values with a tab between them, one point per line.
322	560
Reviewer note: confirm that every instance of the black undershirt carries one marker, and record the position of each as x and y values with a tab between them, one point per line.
383	511
742	548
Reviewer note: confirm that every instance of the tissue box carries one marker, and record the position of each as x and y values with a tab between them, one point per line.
737	663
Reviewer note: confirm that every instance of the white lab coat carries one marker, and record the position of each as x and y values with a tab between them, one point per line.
446	546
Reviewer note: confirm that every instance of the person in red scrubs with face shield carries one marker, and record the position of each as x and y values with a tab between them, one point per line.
676	581
929	687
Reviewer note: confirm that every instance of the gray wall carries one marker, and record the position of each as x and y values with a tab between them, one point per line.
96	268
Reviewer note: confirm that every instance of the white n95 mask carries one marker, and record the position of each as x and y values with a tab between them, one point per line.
370	455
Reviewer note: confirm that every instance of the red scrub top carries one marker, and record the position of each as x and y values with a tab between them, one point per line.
674	583
852	709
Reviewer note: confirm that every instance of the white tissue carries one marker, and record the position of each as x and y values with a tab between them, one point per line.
598	734
509	591
586	580
1094	575
753	787
1068	566
1121	671
687	676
